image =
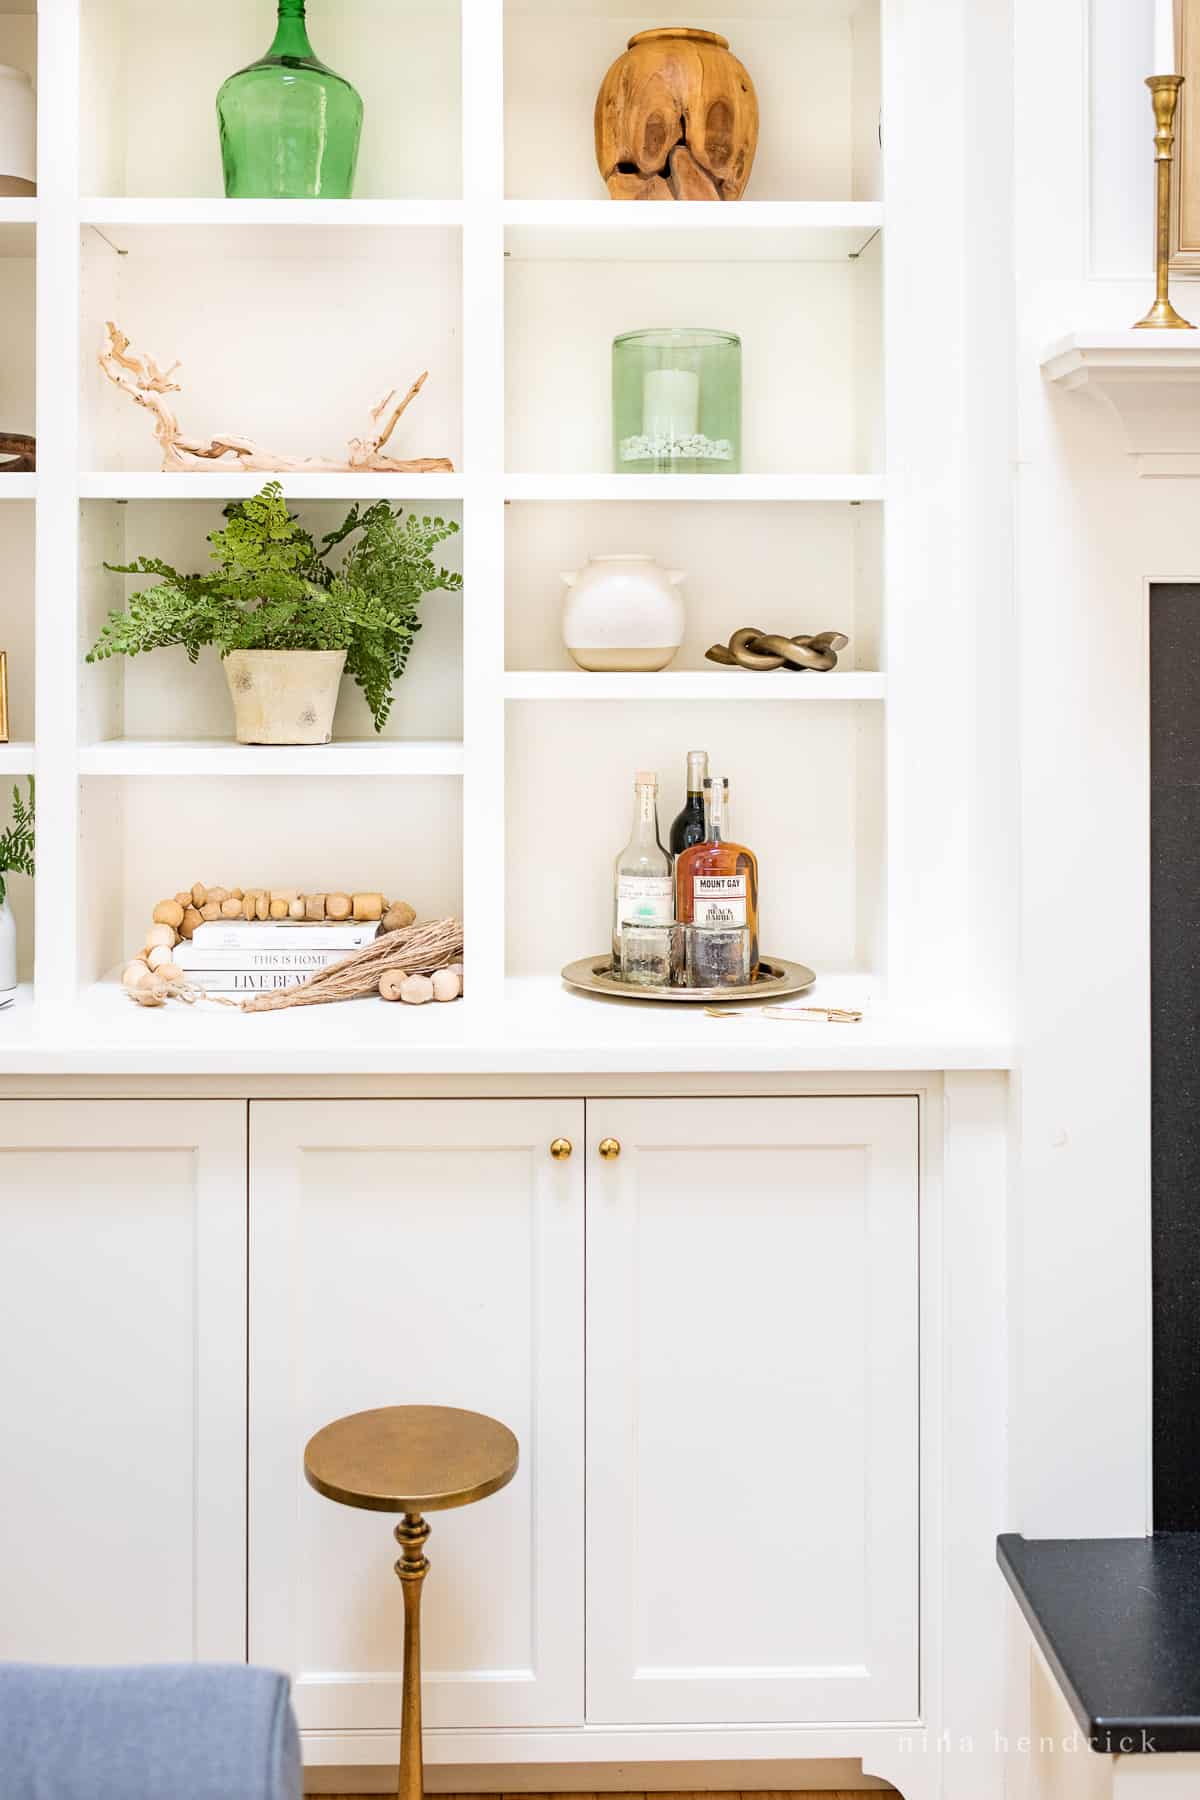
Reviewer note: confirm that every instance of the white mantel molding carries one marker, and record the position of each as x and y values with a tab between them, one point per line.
1151	379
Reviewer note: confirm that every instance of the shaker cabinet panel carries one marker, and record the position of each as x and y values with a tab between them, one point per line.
752	1411
419	1251
123	1380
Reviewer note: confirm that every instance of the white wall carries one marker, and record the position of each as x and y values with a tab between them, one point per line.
1090	535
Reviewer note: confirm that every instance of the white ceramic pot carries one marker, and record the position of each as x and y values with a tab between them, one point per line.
284	696
8	956
18	133
623	612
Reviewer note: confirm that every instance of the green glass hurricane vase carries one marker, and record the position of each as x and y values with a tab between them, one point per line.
289	126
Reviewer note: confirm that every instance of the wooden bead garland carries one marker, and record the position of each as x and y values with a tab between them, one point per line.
151	976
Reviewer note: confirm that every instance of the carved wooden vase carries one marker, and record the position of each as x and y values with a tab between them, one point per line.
676	119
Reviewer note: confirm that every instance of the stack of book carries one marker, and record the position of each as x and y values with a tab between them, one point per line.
228	956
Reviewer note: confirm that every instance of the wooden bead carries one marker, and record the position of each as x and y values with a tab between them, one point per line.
368	908
185	898
262	906
191	919
156	957
136	974
296	907
279	909
398	915
314	907
237	894
415	990
391	982
199	893
219	894
337	906
171	974
446	984
231	908
160	934
210	910
168	912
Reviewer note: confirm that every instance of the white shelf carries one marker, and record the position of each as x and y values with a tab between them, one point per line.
231	484
748	231
540	1028
744	488
15	211
721	684
103	210
1150	380
18	487
17	758
384	756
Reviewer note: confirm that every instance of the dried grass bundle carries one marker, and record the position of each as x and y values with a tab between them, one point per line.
417	949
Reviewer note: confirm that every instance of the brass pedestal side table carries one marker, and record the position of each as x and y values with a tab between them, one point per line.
411	1460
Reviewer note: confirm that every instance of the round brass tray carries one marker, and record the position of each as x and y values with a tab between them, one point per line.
776	981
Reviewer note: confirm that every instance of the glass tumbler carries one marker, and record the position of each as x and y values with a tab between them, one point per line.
717	955
651	955
677	403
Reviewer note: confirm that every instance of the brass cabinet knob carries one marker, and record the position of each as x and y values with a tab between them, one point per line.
561	1148
610	1149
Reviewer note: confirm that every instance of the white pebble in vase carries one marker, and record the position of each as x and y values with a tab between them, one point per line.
623	613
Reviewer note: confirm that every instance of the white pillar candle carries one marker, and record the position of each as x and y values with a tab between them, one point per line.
670	403
1164	38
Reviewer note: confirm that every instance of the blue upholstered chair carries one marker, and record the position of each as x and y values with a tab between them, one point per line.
188	1731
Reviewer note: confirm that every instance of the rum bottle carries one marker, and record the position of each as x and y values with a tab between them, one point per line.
688	826
716	882
642	887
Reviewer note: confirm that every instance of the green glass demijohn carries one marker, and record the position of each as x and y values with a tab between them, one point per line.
289	126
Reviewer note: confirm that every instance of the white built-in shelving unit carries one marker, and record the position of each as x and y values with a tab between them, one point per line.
482	247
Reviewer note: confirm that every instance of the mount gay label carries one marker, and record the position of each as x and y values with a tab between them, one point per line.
719	899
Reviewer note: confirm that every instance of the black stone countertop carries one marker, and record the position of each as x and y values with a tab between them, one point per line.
1118	1620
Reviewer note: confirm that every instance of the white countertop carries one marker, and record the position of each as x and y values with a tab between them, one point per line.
543	1028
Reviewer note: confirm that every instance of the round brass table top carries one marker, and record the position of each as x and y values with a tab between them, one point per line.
411	1458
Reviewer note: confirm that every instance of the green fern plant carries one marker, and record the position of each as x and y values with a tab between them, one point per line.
274	588
16	844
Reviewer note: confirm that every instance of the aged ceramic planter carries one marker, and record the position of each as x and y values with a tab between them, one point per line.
17	133
8	956
284	696
623	612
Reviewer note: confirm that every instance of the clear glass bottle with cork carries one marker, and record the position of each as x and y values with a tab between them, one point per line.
643	891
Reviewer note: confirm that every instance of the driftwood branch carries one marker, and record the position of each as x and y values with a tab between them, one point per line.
146	385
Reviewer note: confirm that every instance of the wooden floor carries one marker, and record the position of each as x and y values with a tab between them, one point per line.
724	1794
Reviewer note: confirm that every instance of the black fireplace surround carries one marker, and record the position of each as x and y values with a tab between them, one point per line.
1117	1618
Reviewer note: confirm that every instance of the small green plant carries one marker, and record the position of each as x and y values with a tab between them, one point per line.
274	589
16	844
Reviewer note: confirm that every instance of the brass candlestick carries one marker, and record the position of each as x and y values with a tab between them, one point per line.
1164	92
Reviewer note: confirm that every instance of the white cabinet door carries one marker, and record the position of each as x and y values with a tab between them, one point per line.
123	1380
752	1411
418	1251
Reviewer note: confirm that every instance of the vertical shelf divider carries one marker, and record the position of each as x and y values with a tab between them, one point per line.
483	506
57	971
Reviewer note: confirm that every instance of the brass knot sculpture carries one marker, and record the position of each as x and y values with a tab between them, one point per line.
751	648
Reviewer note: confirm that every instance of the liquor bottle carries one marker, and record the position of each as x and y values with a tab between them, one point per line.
688	826
289	126
716	882
642	888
